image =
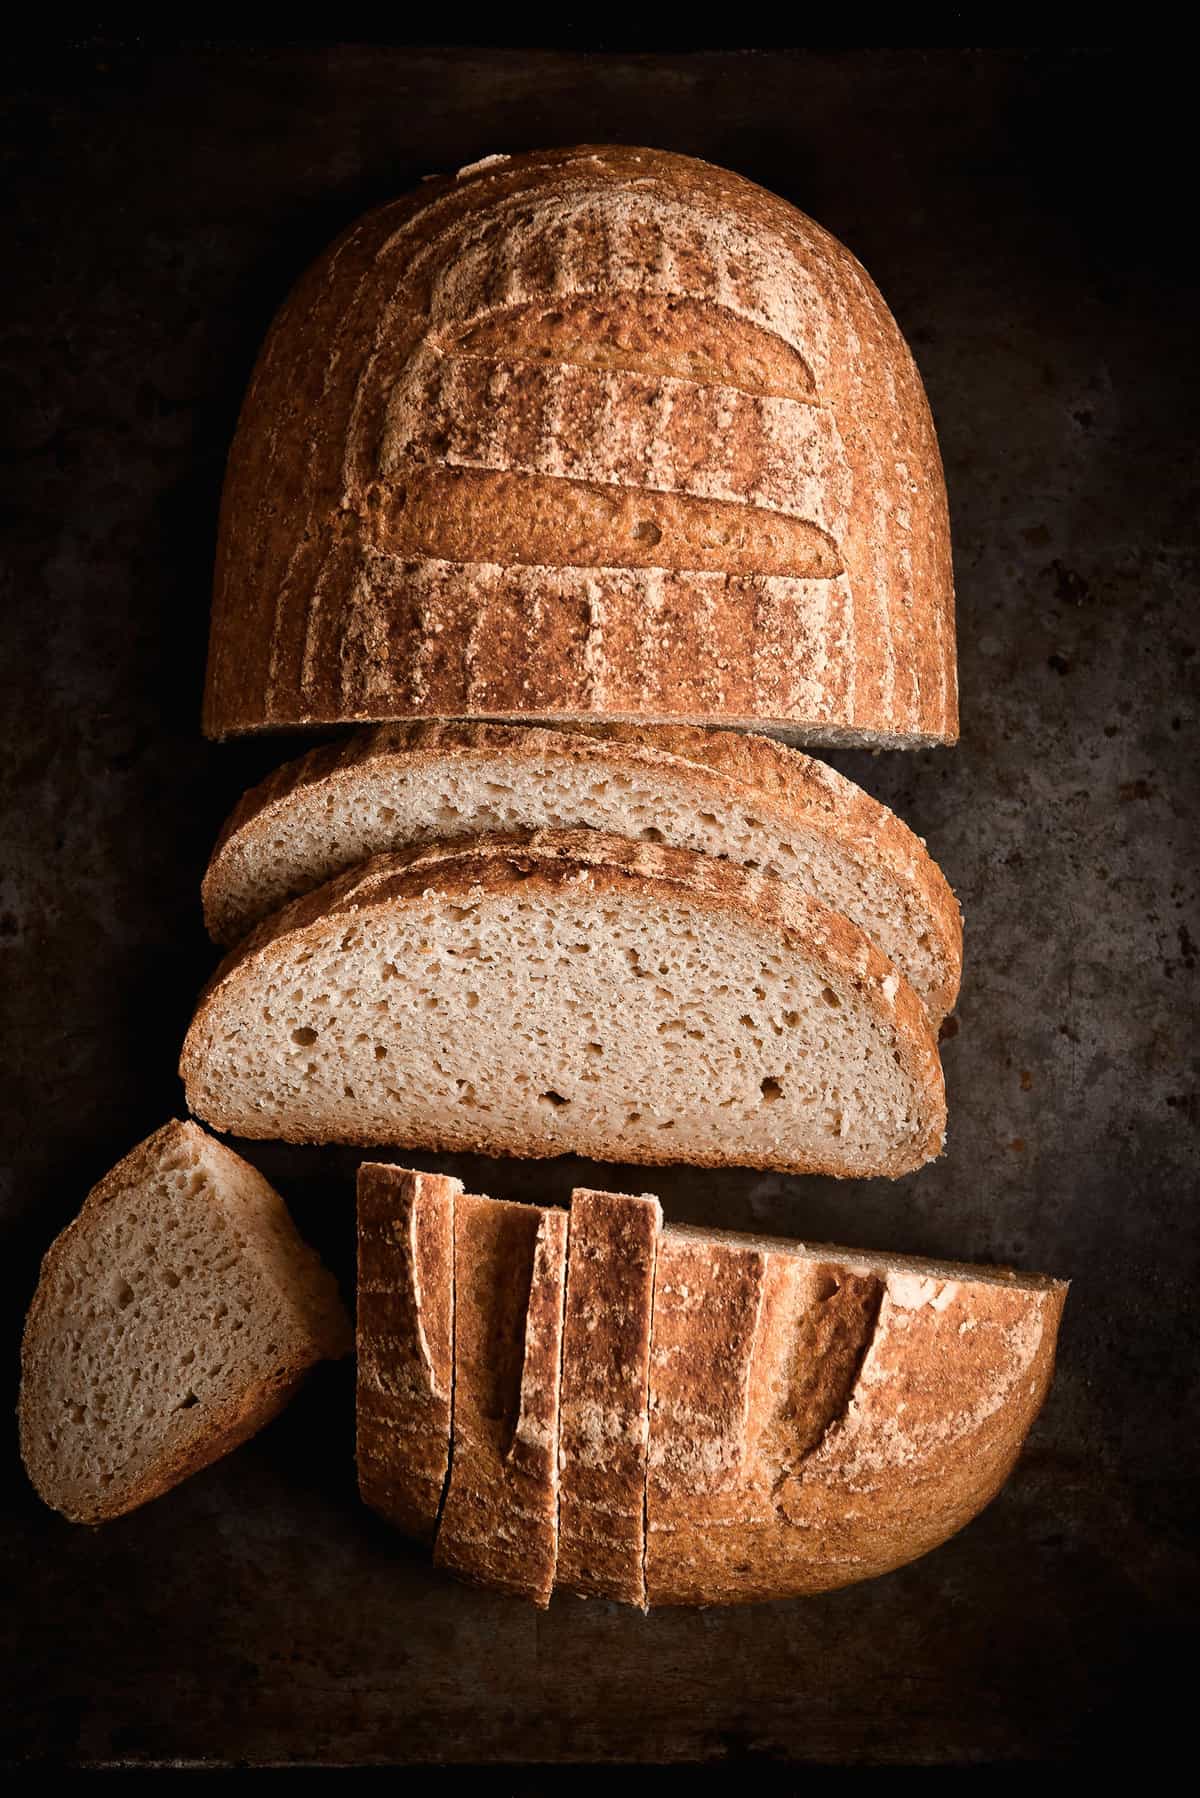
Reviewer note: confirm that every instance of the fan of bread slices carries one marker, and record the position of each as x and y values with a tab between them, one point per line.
639	945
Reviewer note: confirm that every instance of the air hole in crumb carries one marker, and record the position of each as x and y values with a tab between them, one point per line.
635	1117
304	1037
652	834
123	1293
595	1048
380	1052
646	531
771	1090
830	997
826	1286
472	1001
791	1019
189	1401
553	1098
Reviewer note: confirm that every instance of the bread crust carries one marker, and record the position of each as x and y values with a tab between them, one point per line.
440	336
208	1435
405	1343
605	1386
815	1422
499	1526
724	769
591	863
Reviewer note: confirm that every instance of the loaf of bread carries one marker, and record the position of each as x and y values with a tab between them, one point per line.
745	799
820	1416
571	992
740	1418
172	1320
588	433
405	1339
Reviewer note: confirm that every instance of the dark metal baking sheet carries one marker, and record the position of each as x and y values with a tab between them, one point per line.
1022	213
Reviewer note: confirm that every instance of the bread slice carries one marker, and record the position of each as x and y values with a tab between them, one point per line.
173	1319
604	433
744	799
499	1527
819	1416
405	1343
571	992
606	1354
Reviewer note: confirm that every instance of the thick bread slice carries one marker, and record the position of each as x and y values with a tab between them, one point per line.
571	992
745	799
819	1416
405	1342
604	433
606	1360
499	1526
172	1319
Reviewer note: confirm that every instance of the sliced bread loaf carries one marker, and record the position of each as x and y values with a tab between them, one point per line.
172	1319
819	1416
405	1342
745	799
499	1526
571	992
612	1243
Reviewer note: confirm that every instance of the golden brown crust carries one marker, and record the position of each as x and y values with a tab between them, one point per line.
795	791
208	1436
628	294
606	1358
405	1343
499	1524
813	1423
591	863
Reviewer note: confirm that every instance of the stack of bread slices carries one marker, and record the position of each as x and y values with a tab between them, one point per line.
584	486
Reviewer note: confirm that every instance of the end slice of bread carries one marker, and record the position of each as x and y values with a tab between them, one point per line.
172	1320
499	1525
405	1342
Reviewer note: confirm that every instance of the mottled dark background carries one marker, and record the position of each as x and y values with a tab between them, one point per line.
1030	216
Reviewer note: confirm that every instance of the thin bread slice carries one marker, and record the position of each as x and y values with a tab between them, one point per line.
571	992
819	1416
606	1359
172	1320
745	799
499	1526
405	1343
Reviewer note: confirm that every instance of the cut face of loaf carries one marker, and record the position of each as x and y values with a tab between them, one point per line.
606	433
739	1417
571	993
740	798
172	1320
819	1416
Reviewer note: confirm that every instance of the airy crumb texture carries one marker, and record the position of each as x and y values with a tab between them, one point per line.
172	1319
571	993
743	799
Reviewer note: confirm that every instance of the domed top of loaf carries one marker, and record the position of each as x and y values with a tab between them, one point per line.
587	433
